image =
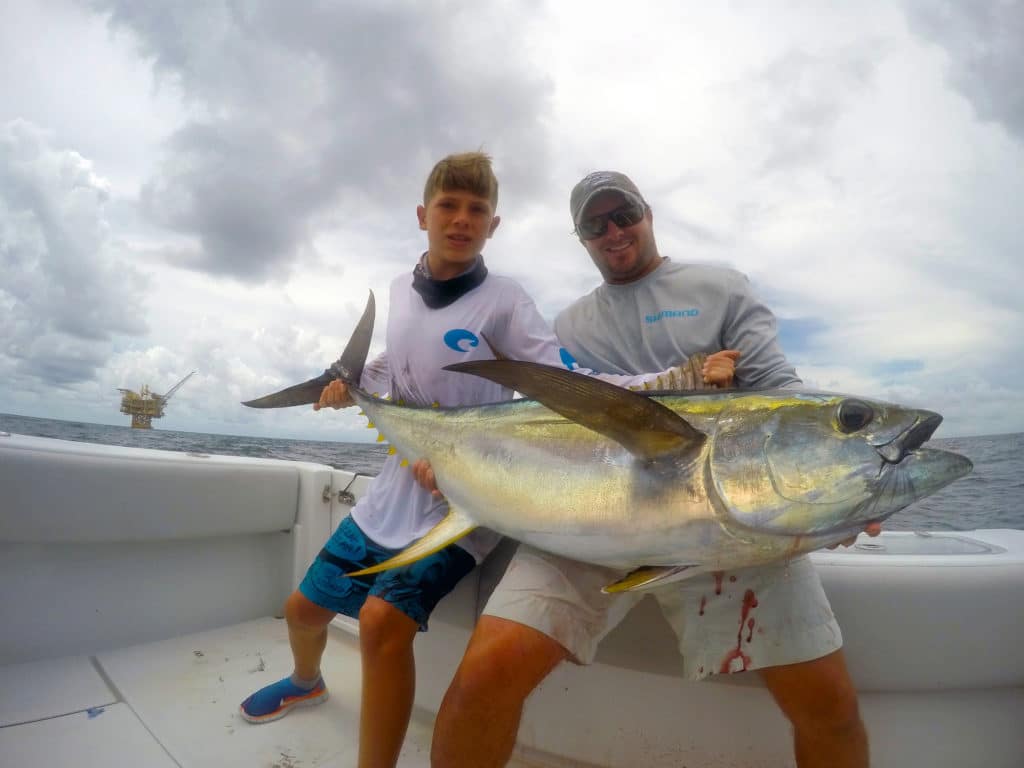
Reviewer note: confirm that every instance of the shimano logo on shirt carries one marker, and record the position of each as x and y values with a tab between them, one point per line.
460	339
672	313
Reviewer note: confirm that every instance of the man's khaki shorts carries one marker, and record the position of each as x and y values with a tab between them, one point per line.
725	622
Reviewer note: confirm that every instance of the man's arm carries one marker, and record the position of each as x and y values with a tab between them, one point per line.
529	337
750	326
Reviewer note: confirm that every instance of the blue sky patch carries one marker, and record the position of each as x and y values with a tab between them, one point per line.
897	367
796	335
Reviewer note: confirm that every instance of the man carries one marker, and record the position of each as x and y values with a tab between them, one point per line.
649	313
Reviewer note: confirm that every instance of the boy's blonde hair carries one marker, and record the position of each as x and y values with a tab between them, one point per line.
464	172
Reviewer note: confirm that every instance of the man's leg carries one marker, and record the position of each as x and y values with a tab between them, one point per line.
777	620
478	721
819	699
389	681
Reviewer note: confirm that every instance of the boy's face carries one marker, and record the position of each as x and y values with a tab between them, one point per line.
457	224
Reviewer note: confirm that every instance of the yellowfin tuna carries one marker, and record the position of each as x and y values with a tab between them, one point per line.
667	485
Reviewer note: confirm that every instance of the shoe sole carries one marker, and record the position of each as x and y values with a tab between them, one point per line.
277	714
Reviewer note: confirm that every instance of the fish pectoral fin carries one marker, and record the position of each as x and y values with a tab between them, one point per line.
643	426
453	527
648	577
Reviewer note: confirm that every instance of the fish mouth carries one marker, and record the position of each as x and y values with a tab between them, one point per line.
899	485
910	439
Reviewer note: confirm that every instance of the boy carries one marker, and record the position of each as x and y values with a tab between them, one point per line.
438	316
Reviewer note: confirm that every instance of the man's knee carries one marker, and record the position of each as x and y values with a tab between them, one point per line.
817	694
505	658
835	712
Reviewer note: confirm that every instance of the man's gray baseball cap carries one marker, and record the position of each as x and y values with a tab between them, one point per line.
594	184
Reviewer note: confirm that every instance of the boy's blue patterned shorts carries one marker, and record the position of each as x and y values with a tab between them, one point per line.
414	589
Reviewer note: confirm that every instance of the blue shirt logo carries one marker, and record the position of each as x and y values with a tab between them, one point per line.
671	313
454	339
567	359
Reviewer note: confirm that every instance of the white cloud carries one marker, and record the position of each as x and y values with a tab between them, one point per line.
66	291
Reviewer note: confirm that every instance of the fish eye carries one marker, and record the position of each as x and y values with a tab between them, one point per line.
854	415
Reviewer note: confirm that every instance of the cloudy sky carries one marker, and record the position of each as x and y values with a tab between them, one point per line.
215	186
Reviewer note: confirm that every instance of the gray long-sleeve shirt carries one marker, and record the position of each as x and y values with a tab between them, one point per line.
674	312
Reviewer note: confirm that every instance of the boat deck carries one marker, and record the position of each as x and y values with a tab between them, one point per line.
175	703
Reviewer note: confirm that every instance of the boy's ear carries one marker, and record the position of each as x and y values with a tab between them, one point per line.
421	214
495	221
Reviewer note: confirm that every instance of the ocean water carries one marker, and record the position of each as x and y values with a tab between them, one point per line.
992	496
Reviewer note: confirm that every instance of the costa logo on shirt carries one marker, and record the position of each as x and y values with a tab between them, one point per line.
460	339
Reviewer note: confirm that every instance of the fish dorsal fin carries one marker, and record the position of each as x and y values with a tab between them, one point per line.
494	349
647	577
645	427
453	527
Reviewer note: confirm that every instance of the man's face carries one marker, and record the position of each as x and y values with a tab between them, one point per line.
457	224
622	254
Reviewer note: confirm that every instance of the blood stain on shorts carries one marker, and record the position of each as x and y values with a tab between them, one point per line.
749	603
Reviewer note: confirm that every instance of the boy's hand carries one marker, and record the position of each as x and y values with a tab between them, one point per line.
871	529
335	395
424	475
720	368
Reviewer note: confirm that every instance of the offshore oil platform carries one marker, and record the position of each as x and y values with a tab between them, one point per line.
144	406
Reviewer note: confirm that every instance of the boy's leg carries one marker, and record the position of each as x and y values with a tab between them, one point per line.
386	637
400	603
307	633
324	592
544	610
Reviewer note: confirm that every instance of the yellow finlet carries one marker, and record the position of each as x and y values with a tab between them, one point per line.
380	438
454	526
643	578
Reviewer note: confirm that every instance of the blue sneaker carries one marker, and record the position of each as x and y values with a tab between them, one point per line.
275	700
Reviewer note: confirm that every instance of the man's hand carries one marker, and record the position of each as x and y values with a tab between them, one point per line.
871	529
720	368
424	475
335	395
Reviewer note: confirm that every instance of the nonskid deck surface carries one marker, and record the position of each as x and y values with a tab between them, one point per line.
175	703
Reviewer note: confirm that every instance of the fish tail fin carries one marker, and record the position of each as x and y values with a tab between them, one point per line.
453	527
348	368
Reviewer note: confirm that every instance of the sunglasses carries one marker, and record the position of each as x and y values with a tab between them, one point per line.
624	216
